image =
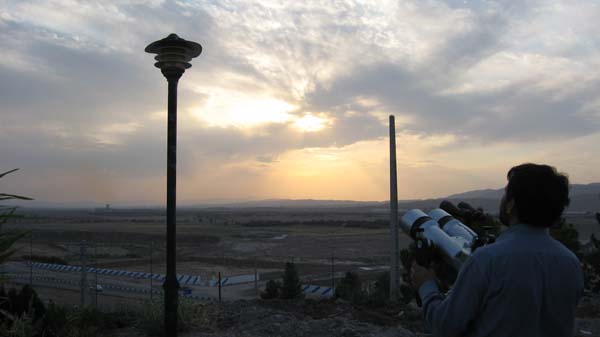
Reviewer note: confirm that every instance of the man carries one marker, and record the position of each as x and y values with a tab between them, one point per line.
526	283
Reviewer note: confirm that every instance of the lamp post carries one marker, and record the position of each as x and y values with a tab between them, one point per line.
173	57
394	268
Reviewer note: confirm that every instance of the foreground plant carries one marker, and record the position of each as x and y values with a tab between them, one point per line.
8	238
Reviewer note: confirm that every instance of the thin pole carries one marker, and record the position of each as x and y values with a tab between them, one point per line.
255	280
394	268
96	272
219	286
255	277
31	259
171	285
83	273
151	273
332	272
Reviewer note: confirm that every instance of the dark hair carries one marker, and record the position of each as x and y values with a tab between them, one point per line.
540	193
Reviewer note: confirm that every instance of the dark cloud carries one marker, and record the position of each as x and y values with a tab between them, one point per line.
520	112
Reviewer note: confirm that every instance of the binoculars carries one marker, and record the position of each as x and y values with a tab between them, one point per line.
440	234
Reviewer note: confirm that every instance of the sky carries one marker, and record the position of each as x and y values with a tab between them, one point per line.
290	99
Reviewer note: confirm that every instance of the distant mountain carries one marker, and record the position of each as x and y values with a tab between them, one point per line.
48	204
576	190
479	194
584	197
294	203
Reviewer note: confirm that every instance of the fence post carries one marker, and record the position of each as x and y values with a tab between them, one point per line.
31	259
256	280
151	275
219	286
96	272
82	253
332	272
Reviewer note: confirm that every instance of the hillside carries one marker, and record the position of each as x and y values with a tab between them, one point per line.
584	198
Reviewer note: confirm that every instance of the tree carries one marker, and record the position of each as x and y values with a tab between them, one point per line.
8	238
349	288
381	292
272	290
291	288
567	235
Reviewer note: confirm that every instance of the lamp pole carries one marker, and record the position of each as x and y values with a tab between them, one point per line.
394	268
173	57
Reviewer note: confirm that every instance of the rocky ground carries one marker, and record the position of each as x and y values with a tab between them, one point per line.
271	318
303	318
588	316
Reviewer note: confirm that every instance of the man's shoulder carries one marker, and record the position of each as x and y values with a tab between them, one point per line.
518	249
491	250
562	250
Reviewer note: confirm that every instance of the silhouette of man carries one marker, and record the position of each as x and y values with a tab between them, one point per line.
526	283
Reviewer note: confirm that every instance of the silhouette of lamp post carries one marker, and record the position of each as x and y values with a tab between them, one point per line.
173	57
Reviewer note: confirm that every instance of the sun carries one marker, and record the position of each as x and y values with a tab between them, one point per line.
311	123
243	111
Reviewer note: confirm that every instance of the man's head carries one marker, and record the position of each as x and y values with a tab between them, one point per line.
535	195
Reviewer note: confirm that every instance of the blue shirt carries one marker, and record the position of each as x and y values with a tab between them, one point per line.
525	284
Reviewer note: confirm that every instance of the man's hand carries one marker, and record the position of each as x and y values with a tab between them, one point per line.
420	275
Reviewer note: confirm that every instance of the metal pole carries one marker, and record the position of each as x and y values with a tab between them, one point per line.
173	55
256	281
31	259
171	285
219	286
83	273
255	277
332	272
394	268
96	272
151	273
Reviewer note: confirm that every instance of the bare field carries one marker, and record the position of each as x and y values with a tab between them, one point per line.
230	241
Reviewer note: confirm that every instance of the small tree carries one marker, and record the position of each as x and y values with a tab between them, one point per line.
381	292
567	235
272	290
349	288
291	288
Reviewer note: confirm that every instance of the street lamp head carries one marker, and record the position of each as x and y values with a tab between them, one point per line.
173	54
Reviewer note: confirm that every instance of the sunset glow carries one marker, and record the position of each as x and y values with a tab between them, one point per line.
310	123
243	111
291	100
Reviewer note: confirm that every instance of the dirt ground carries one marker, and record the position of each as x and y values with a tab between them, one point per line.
230	241
240	241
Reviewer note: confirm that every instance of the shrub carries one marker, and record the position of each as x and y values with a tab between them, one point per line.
55	321
291	288
272	290
189	314
381	292
151	319
7	239
85	322
19	303
20	326
349	288
567	235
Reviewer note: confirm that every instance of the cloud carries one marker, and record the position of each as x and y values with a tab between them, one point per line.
469	80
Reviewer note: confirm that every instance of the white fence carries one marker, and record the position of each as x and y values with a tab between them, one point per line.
188	280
